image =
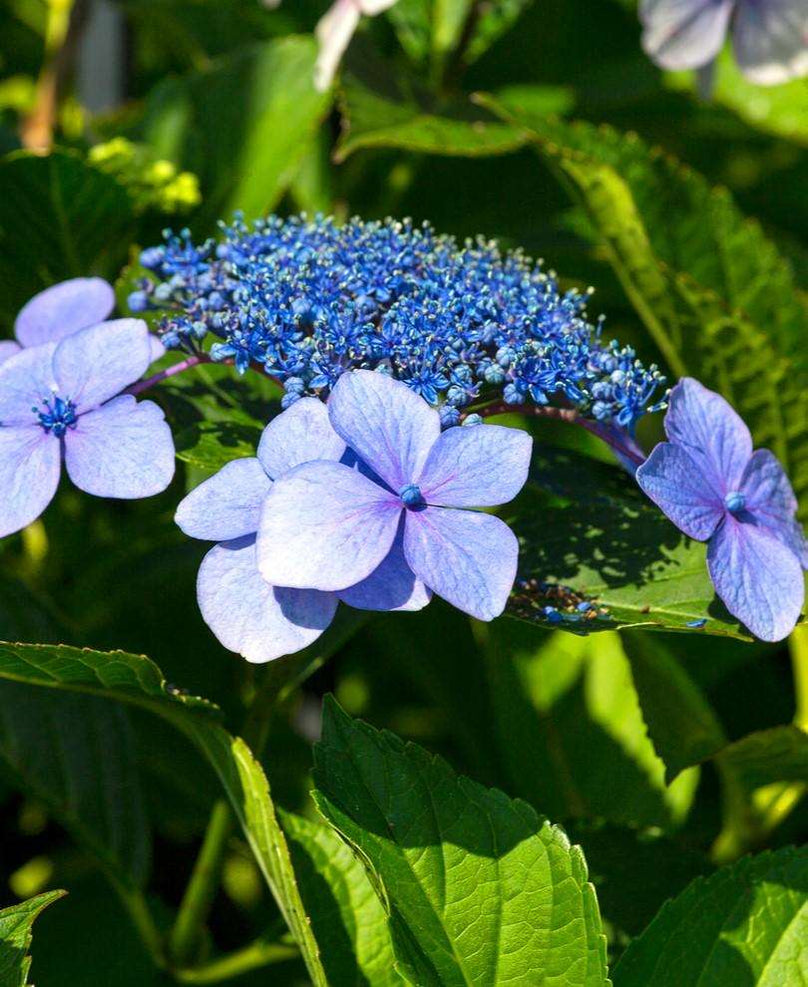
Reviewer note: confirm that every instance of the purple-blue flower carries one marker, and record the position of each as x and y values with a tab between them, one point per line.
63	401
713	487
328	526
769	37
61	310
255	618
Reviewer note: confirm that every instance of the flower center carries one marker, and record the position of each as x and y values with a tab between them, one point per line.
56	416
735	501
411	495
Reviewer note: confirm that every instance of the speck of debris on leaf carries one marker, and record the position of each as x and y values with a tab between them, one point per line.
554	603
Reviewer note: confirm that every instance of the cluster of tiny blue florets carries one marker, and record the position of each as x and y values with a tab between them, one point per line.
305	300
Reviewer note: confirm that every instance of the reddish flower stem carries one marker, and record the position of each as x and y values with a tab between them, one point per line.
618	439
177	368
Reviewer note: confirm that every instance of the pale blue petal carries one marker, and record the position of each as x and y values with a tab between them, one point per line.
156	349
712	432
385	423
26	380
672	480
93	365
467	557
63	309
123	449
476	466
228	505
298	435
8	348
392	586
684	34
757	577
30	464
248	615
770	40
770	498
325	526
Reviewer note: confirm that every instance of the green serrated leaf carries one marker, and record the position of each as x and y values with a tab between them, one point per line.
593	534
714	292
210	445
136	680
382	111
76	221
479	889
244	126
15	937
348	919
747	924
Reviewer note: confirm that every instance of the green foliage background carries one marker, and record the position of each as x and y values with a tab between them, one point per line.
547	805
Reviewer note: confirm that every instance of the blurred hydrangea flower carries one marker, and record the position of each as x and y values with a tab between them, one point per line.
306	300
334	32
769	37
255	618
63	401
63	309
327	526
58	311
711	484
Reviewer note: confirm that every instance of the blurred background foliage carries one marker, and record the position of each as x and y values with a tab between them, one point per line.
120	119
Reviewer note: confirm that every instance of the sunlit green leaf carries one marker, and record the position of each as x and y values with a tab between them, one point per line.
745	925
15	937
479	889
348	919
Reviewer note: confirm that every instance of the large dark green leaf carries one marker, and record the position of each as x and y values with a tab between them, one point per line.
76	754
479	889
15	938
136	680
59	218
380	110
591	532
746	925
243	126
713	291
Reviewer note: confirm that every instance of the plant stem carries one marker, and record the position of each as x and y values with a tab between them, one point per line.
202	886
798	646
176	368
252	957
141	917
618	439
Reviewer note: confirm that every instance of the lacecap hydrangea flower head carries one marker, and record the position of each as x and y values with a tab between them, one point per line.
306	300
710	483
364	501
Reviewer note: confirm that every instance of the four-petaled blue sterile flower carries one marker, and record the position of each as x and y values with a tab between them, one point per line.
327	526
769	37
713	487
249	615
63	401
59	311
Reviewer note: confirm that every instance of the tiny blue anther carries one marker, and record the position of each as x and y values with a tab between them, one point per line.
697	623
59	415
735	501
411	495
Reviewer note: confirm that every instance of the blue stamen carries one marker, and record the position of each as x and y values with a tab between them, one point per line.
59	415
735	501
411	495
